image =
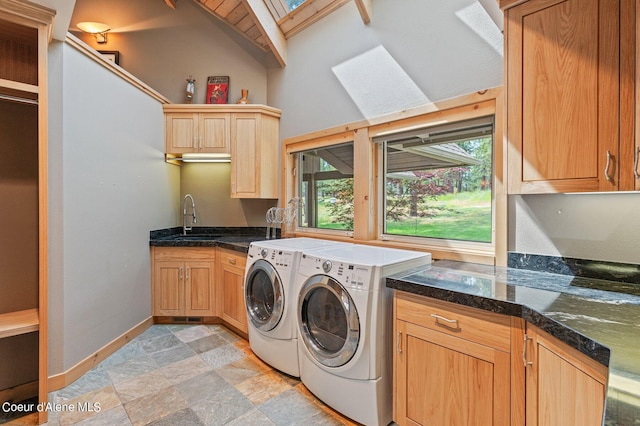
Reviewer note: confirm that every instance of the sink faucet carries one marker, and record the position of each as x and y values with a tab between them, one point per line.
186	228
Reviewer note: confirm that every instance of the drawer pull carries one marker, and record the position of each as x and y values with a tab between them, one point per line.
451	323
232	261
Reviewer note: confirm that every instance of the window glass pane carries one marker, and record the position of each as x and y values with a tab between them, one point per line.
438	182
326	186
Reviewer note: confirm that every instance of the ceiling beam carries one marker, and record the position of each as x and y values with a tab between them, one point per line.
269	28
365	9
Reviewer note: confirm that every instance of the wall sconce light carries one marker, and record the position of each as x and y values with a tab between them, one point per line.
97	29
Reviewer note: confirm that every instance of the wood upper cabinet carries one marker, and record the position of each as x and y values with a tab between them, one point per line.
250	133
189	132
451	364
563	386
230	283
569	95
254	155
183	282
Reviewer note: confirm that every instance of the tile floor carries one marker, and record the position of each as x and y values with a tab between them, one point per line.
188	375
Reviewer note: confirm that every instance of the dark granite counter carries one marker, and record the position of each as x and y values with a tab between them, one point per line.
237	239
603	324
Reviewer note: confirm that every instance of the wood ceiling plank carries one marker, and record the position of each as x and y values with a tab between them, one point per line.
245	23
212	5
237	14
227	7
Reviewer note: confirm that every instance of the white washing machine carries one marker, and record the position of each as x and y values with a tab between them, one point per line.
271	297
345	327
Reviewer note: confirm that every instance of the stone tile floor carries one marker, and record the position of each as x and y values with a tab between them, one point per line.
187	375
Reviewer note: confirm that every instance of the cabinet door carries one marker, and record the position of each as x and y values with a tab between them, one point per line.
564	387
199	289
444	380
245	165
214	133
181	132
168	288
231	286
563	95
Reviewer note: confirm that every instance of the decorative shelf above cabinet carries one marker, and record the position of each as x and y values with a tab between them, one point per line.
249	133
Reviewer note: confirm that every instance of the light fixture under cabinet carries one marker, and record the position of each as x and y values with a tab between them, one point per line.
205	158
96	29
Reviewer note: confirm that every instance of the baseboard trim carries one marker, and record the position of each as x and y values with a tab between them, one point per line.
62	380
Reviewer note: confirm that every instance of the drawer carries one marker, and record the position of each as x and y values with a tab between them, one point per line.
476	325
232	258
184	253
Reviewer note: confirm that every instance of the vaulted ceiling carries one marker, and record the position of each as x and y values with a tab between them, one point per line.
268	23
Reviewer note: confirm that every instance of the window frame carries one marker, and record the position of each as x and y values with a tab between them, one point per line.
456	115
368	177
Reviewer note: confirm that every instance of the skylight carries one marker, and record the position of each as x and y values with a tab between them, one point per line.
294	3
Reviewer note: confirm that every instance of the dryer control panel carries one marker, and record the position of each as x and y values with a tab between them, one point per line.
277	257
348	274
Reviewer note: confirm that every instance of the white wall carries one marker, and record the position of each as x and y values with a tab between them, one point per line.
162	47
585	226
340	70
108	187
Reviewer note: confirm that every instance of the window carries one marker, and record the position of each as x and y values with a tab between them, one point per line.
325	184
437	181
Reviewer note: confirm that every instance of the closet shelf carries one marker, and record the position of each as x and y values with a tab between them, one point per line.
19	322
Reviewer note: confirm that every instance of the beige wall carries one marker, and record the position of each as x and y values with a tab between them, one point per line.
162	47
210	184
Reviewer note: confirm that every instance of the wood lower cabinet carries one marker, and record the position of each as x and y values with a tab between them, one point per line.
455	365
563	386
445	372
184	282
230	284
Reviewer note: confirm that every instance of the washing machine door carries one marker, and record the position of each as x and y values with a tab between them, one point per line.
328	321
264	295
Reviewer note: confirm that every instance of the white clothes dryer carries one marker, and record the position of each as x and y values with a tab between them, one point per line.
345	327
271	297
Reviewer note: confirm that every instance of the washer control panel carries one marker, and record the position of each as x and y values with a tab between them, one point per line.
276	257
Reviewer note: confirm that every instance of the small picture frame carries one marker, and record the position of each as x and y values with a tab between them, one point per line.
111	55
218	89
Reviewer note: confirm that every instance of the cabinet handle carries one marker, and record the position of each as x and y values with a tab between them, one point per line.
399	342
200	140
187	273
180	273
195	142
606	168
524	352
451	323
232	261
635	164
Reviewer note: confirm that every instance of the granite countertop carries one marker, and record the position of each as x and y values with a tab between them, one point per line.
603	324
237	239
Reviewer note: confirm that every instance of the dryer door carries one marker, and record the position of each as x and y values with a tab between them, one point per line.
264	295
328	321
